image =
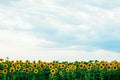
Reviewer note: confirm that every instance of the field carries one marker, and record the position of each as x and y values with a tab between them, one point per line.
40	70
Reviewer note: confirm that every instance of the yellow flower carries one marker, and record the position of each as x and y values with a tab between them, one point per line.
73	67
56	69
60	73
12	64
52	71
12	69
62	65
84	66
109	67
81	65
34	65
59	66
1	60
12	61
26	70
114	67
67	69
23	65
89	64
30	68
101	67
5	71
20	61
50	66
5	65
18	67
41	65
89	68
35	71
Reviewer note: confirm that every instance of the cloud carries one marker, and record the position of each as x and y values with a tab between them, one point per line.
37	25
20	40
64	55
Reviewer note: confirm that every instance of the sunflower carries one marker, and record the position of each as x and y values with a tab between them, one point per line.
109	67
12	61
81	66
103	63
52	71
60	73
18	67
101	67
39	61
5	65
89	68
62	65
23	65
94	65
34	65
41	65
56	69
67	69
84	66
20	61
26	70
27	61
73	67
1	60
4	71
30	68
12	64
35	71
12	69
50	66
89	64
59	66
115	67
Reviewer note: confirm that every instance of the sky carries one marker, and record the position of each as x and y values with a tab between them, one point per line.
64	30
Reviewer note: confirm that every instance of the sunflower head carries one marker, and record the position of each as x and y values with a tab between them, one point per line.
5	71
89	68
89	64
67	69
81	66
60	73
12	69
18	67
1	60
26	70
5	65
115	67
35	71
109	67
30	68
73	67
50	66
52	71
101	67
34	65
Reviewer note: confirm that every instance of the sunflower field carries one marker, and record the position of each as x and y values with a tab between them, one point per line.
40	70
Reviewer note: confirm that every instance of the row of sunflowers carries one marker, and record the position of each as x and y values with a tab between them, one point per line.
40	70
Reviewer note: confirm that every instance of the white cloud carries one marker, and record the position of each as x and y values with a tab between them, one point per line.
20	40
93	24
9	20
64	55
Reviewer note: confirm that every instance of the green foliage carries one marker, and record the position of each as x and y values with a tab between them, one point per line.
91	70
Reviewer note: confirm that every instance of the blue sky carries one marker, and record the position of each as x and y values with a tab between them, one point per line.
76	26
